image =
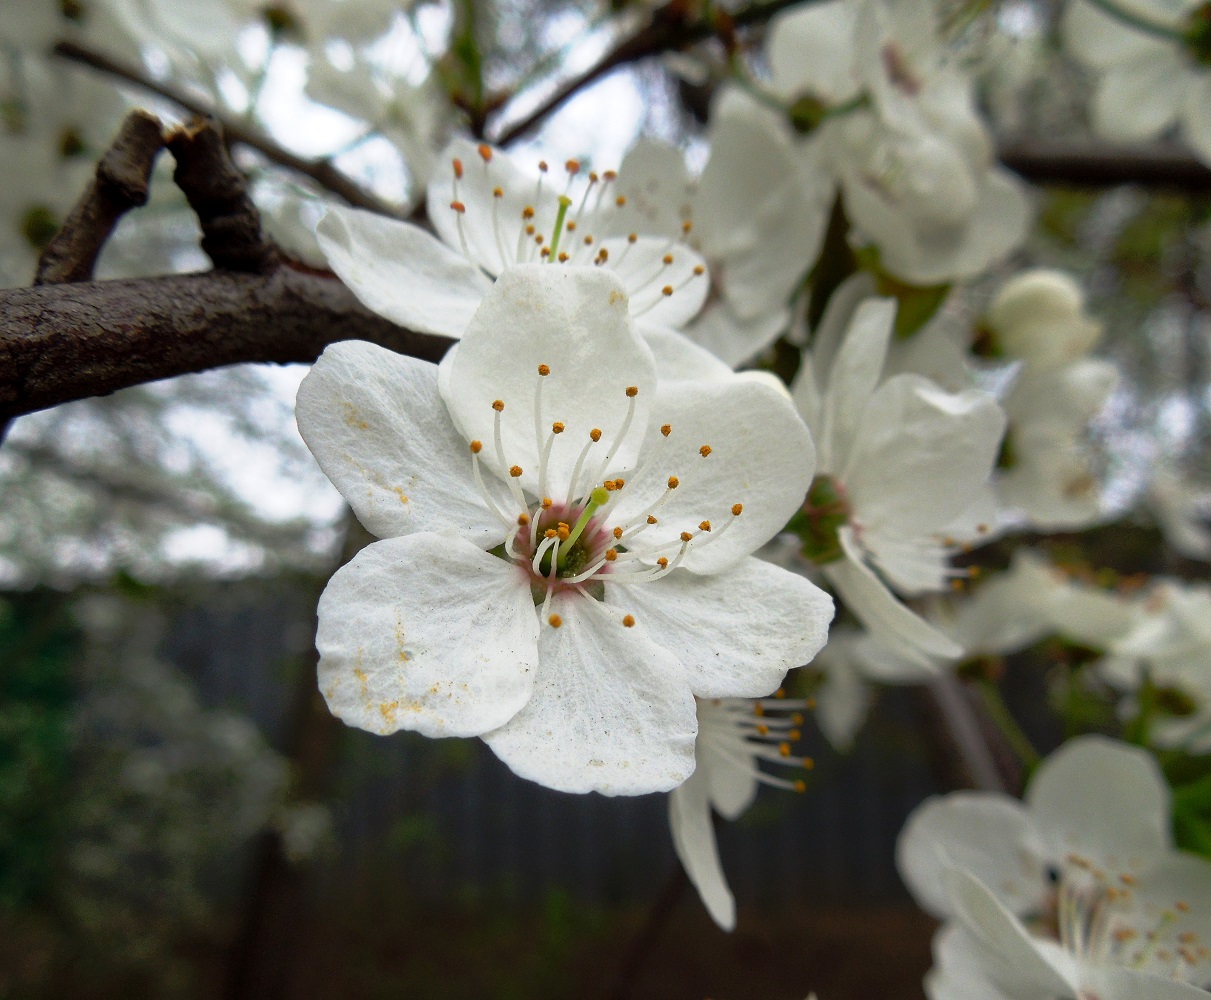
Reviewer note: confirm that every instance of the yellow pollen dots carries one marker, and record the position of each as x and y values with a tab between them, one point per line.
652	519
498	405
632	237
609	175
523	519
617	532
662	562
632	391
528	213
705	450
737	509
563	257
595	434
563	530
542	165
611	555
458	206
666	290
458	168
485	152
620	201
666	429
497	193
628	621
557	428
668	258
686	536
687	226
809	764
800	786
476	447
602	256
704	526
699	270
674	482
546	503
571	226
572	167
554	621
515	471
550	533
544	370
588	240
784	749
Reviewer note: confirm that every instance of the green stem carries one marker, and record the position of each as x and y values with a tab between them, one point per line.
999	712
564	202
598	497
1137	21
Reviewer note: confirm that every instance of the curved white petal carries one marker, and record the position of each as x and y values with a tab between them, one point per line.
666	284
427	633
987	834
1196	118
380	431
1108	982
758	454
400	271
573	319
678	357
1137	101
694	841
719	330
736	633
1103	798
1101	41
611	711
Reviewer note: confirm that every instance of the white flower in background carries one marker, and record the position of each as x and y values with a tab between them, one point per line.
1149	79
355	21
1075	893
415	118
903	477
567	555
904	140
734	736
490	215
1169	643
757	215
1182	510
1039	317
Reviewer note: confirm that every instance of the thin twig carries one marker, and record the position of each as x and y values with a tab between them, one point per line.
120	183
322	171
645	941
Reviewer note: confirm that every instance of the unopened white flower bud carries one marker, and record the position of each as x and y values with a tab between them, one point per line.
1039	316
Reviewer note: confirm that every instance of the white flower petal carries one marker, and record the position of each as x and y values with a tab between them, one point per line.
878	609
694	841
427	633
668	294
611	711
1196	118
678	357
811	49
986	834
575	320
1137	101
380	431
1101	41
1108	982
400	271
736	633
1104	798
734	340
760	455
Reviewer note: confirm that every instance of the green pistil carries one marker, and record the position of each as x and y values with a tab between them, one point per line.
824	514
597	499
564	202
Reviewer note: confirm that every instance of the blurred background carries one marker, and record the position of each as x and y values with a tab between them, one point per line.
179	815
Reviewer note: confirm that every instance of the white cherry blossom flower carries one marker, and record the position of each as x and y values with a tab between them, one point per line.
566	561
734	736
491	215
903	478
1150	79
1039	317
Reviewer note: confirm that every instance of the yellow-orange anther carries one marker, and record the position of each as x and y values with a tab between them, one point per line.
662	562
666	429
458	168
632	391
497	193
704	450
603	255
737	509
563	257
485	151
498	405
699	270
545	251
800	786
611	555
780	693
546	503
808	764
1182	906
542	165
515	471
529	230
557	428
573	166
458	206
668	258
704	525
674	482
550	533
617	532
784	749
476	447
628	621
794	735
651	519
555	621
797	718
595	433
686	536
609	485
523	519
667	290
544	370
687	226
632	237
762	729
619	483
528	213
571	226
609	175
620	201
564	530
758	710
588	240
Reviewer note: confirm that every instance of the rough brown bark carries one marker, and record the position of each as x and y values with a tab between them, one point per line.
64	342
121	183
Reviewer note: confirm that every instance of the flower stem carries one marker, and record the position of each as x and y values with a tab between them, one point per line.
999	712
1138	21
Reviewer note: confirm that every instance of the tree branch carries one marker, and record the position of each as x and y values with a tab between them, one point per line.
121	183
668	29
65	342
1100	166
321	171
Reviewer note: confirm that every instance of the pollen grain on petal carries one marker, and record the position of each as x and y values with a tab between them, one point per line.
544	370
555	621
498	405
666	429
458	168
476	447
515	471
595	434
705	450
632	391
674	482
704	526
628	621
485	151
737	509
557	428
686	536
458	206
617	532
